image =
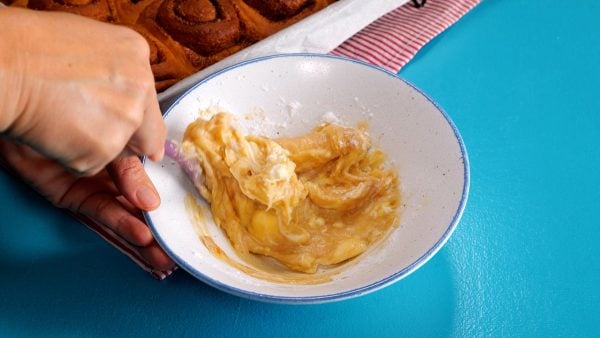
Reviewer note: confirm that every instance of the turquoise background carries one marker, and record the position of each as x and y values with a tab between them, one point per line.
521	80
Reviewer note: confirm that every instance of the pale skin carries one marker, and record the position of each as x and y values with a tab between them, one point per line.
77	109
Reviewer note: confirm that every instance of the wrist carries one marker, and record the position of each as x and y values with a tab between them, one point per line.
12	98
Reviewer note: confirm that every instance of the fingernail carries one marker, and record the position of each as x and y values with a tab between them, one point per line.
147	197
157	157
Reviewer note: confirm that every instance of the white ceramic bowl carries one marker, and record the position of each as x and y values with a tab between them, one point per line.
295	91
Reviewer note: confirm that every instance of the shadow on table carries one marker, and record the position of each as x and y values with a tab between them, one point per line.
98	293
61	279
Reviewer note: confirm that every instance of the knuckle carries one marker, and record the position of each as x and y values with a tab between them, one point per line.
133	110
80	167
135	116
129	168
133	38
144	85
134	82
109	150
129	116
102	206
151	145
142	47
86	171
114	148
120	225
138	44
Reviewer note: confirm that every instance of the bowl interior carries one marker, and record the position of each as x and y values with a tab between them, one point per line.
289	95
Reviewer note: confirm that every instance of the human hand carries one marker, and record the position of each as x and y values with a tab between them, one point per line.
77	90
114	197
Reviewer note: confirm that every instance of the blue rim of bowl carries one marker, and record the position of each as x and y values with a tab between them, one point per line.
345	294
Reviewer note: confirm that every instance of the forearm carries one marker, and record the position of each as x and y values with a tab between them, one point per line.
12	96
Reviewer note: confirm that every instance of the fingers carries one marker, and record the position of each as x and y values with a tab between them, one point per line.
44	175
105	209
99	197
156	257
150	137
131	179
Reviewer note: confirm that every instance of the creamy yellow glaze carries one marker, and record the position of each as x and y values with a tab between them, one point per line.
308	201
252	265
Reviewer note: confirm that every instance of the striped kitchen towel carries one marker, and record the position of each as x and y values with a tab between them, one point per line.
393	40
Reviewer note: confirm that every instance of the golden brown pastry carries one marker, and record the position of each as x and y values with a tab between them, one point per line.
186	36
261	18
96	9
168	61
163	19
205	26
279	9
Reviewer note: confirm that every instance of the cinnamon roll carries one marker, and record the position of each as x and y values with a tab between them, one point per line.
277	10
14	3
205	26
189	59
168	62
262	18
129	11
102	10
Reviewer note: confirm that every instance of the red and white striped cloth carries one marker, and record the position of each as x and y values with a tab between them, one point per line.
390	42
393	40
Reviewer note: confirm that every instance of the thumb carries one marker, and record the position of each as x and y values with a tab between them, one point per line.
132	181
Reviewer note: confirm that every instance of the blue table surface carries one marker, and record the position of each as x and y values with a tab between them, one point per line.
521	80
